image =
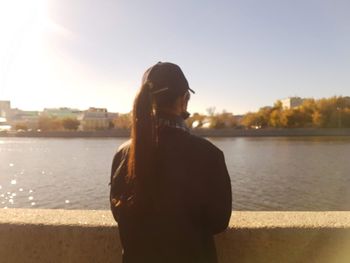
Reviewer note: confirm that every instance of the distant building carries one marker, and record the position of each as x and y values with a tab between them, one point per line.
62	112
94	119
4	125
5	108
292	102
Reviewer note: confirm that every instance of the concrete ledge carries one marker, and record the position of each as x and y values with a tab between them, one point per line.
42	235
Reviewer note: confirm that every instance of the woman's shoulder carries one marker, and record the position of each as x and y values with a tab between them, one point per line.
202	144
125	146
122	152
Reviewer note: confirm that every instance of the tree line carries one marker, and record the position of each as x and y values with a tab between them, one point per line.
49	123
331	112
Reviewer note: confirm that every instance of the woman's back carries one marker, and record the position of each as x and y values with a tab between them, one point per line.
189	201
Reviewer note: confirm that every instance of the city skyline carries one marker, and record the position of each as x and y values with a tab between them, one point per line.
236	55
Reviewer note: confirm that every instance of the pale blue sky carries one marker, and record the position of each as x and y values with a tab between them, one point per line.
237	55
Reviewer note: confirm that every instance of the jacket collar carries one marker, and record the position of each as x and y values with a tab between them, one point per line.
166	119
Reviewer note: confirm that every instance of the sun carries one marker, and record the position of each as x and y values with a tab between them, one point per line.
25	52
17	16
21	22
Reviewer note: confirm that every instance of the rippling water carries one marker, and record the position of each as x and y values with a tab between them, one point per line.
311	173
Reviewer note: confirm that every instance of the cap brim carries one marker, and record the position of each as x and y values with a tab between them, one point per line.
191	90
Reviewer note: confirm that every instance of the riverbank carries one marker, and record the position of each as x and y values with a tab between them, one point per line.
199	132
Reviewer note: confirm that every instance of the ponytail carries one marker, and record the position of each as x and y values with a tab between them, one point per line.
142	155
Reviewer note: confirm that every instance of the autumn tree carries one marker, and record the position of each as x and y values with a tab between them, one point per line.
70	124
251	120
123	121
223	120
346	117
49	123
21	126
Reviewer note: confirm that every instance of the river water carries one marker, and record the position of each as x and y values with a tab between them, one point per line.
276	173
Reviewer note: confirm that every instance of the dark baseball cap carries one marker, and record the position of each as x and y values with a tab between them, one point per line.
167	77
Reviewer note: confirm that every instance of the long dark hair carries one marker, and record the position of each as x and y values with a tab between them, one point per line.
144	137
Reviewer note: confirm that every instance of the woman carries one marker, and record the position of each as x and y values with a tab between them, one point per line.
170	190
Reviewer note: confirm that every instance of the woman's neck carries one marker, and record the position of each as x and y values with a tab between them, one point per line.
172	112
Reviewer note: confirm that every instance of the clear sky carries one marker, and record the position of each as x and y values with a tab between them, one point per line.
237	55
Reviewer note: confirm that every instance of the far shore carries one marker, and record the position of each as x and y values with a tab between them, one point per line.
200	132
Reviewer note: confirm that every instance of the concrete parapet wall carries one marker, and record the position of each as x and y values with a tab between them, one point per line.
43	235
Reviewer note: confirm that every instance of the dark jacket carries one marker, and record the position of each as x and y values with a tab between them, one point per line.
193	202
